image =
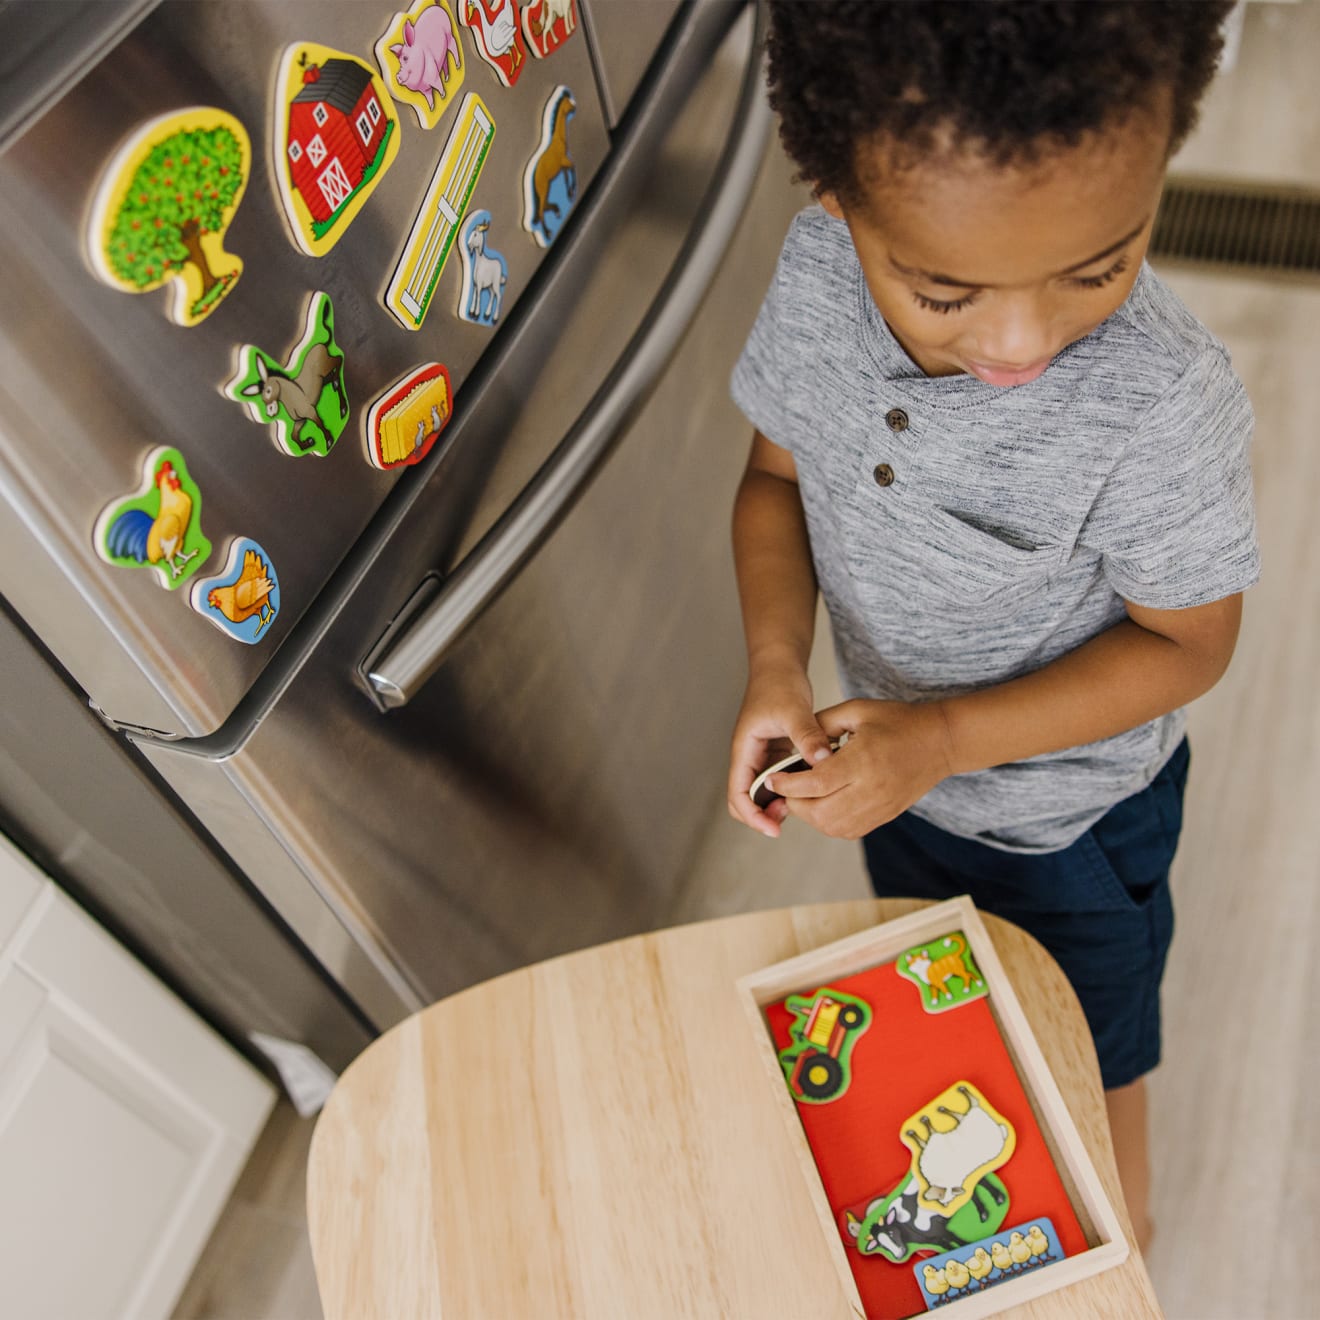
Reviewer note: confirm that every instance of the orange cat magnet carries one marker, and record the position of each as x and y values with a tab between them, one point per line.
944	971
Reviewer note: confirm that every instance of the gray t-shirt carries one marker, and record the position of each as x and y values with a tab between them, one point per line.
1017	521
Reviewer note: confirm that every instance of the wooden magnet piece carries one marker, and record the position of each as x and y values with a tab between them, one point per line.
304	398
162	207
243	599
944	972
955	1141
498	35
423	258
994	1258
547	24
405	422
159	526
485	273
816	1063
550	178
421	60
895	1226
335	133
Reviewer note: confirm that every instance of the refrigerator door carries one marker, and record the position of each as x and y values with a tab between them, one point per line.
535	794
95	378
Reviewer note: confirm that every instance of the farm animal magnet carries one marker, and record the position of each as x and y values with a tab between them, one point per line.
421	60
405	422
951	1153
993	1259
243	599
547	24
159	526
498	35
816	1063
485	273
304	398
896	1226
944	972
423	258
162	207
335	135
550	179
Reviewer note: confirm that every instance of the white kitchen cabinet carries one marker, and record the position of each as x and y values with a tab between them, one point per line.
124	1119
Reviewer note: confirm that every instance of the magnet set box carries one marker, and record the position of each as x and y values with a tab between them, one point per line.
945	1169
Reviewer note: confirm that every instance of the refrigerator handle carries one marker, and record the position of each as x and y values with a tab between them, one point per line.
404	660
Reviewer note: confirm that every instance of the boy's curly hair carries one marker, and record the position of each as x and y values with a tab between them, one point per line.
1010	78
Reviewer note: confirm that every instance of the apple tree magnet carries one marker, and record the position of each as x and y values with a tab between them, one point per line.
163	204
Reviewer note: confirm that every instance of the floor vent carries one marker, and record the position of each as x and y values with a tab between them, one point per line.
1254	227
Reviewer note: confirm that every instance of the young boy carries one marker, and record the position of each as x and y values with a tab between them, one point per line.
1014	465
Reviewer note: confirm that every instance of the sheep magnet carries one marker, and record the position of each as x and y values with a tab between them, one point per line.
497	34
895	1226
303	399
958	1148
244	598
828	1024
485	273
550	178
993	1259
413	285
335	134
159	526
421	60
547	24
163	205
405	422
944	972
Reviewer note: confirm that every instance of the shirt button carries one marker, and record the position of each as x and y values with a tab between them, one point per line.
884	475
896	419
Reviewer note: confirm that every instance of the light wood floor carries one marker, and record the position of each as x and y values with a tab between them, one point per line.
1236	1150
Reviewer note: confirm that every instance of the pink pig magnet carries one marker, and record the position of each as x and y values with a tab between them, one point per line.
421	60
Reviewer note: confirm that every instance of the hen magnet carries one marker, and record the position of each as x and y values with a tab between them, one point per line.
424	254
336	133
547	24
160	525
163	205
243	599
405	422
485	273
550	179
498	35
421	60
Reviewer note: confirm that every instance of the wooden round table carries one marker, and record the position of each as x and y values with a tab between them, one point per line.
593	1136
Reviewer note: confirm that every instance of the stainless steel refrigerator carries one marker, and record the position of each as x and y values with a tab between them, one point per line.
485	716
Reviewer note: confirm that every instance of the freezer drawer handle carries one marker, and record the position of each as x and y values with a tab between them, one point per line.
404	662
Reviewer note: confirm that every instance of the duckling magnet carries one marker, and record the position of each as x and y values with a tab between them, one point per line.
944	972
982	1264
485	273
160	525
163	205
243	599
550	178
547	24
304	399
421	60
405	422
497	34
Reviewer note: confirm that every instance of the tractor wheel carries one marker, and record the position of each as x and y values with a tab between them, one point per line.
821	1077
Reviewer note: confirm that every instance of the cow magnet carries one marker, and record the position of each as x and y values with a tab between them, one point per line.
550	179
423	258
303	399
817	1062
944	972
160	525
547	24
335	134
421	60
498	35
244	597
405	422
484	273
955	1141
895	1226
162	207
990	1260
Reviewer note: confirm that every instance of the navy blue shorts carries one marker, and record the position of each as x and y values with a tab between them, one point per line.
1101	906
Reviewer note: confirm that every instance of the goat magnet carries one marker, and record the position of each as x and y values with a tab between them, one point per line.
304	398
485	273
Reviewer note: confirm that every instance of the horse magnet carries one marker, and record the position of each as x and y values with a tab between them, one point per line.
335	134
423	258
547	24
498	36
944	972
160	525
405	422
421	60
162	207
303	399
484	273
550	179
243	599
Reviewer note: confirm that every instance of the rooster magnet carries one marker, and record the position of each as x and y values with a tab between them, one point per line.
158	527
244	598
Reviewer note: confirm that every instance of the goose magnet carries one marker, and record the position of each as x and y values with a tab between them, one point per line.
497	34
243	599
405	422
485	273
550	179
421	60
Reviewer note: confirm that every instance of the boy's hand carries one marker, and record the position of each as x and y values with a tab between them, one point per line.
897	753
776	712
